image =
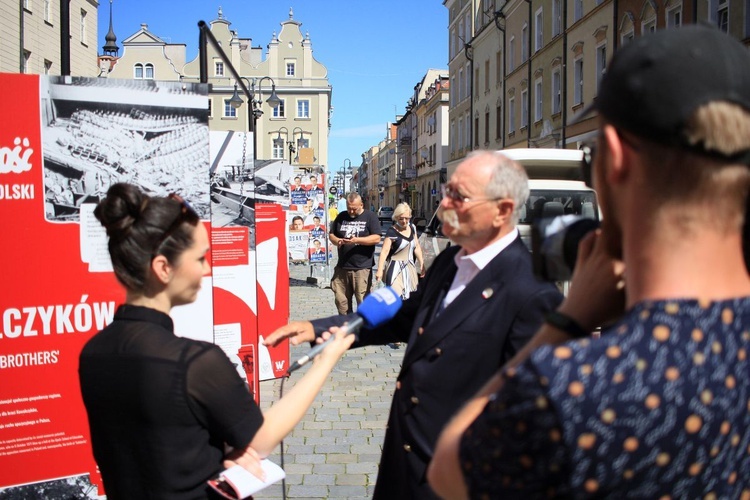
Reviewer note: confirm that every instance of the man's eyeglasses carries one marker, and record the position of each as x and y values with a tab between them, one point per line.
457	198
187	214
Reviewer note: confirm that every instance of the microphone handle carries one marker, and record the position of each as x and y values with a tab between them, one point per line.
350	328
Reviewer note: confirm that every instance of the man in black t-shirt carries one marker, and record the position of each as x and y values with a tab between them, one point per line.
355	233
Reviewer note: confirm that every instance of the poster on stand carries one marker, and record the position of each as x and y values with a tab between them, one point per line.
307	219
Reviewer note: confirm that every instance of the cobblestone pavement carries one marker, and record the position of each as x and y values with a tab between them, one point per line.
334	452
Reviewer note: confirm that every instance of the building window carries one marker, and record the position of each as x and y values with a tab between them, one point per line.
467	75
453	90
138	71
486	76
27	5
511	115
476	131
648	26
722	16
467	132
303	108
453	137
83	26
476	82
218	68
229	111
556	17
460	133
280	110
578	81
47	67
524	108
601	63
512	54
210	107
674	17
498	121
538	106
461	91
278	149
290	69
626	37
48	11
539	30
303	143
499	67
149	75
556	92
524	42
577	10
486	127
26	61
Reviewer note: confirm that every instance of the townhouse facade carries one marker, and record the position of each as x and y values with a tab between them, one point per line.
522	71
31	34
296	129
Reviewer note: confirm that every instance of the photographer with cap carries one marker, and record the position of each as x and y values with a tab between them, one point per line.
659	406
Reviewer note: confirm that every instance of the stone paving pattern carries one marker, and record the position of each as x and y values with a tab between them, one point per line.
334	451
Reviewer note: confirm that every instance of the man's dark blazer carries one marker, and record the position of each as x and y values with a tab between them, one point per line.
450	356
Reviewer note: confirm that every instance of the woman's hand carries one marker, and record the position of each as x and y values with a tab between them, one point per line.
341	343
248	459
379	275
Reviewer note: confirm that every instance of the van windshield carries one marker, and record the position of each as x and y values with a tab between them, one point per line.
546	203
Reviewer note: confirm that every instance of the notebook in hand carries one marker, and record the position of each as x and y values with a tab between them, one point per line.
236	482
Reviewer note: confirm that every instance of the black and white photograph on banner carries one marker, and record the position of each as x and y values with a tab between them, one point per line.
238	181
97	132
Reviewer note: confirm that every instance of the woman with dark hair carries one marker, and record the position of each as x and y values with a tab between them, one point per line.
168	413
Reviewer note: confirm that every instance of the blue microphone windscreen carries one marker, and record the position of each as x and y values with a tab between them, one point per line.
380	306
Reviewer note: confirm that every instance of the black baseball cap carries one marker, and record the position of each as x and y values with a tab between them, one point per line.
655	82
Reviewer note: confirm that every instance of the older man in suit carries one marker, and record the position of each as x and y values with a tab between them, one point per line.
478	305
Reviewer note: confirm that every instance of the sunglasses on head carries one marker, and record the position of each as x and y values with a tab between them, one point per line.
187	213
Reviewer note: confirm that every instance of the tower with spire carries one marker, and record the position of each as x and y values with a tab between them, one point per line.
110	46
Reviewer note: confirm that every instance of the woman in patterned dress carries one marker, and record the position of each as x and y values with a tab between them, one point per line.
401	264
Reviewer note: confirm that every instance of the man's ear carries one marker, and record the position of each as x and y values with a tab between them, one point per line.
161	268
505	211
618	155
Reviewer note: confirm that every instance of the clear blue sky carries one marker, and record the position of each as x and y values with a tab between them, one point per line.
375	52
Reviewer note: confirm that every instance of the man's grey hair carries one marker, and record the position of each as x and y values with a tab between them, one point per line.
508	180
353	197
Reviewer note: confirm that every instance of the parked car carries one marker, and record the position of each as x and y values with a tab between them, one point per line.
385	212
555	189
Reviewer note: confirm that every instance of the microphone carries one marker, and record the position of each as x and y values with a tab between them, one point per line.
377	308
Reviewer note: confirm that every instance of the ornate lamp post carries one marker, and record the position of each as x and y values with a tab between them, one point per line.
256	105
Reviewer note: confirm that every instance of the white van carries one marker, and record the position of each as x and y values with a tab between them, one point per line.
555	188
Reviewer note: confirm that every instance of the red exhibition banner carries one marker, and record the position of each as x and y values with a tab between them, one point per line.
63	142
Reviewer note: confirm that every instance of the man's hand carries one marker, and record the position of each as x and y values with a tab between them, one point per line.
597	289
297	332
247	459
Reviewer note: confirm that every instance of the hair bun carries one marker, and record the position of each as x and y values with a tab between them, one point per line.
121	208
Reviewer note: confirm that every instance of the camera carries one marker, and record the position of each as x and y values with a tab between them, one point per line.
554	245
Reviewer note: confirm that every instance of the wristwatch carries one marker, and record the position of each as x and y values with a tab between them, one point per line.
566	324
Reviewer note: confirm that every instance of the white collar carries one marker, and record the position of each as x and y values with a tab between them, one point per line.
483	257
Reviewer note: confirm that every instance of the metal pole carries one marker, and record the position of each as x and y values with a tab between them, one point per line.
65	37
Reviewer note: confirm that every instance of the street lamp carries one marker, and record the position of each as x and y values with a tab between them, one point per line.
289	142
343	171
256	105
300	141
